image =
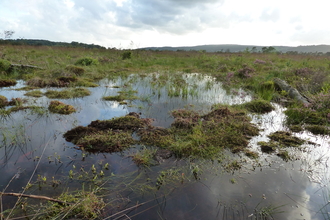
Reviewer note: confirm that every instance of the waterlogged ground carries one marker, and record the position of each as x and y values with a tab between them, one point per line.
35	157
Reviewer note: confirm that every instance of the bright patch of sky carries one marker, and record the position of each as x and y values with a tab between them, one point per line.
118	23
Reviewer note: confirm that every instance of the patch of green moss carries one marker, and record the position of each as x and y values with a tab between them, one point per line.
61	108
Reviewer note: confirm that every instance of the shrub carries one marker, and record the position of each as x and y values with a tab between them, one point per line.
127	55
87	61
4	65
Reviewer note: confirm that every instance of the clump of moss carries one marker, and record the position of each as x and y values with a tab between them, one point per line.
78	71
66	80
3	101
251	154
61	108
117	98
296	128
108	135
258	106
68	93
221	128
286	139
85	83
7	82
35	93
318	129
284	155
76	133
106	141
156	136
268	147
121	123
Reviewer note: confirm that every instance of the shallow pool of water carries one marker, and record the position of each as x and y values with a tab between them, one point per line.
33	147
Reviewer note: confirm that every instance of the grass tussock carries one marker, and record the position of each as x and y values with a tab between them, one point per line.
61	108
67	93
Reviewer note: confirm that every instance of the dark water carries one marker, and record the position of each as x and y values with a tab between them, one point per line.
32	146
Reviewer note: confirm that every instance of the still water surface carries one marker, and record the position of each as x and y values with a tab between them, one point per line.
32	142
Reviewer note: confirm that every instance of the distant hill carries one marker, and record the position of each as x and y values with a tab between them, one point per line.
36	42
251	48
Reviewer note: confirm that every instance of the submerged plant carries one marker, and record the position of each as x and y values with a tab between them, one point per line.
144	157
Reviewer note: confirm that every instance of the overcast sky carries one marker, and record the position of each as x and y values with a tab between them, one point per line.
143	23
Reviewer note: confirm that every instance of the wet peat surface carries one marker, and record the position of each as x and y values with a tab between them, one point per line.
33	150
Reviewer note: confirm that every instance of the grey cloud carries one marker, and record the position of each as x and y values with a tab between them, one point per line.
162	15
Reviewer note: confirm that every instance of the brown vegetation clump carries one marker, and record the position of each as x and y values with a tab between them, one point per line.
3	101
259	106
15	102
61	108
286	139
78	71
155	136
108	135
7	82
246	72
121	123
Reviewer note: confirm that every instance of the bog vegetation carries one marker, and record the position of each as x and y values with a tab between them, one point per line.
192	135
